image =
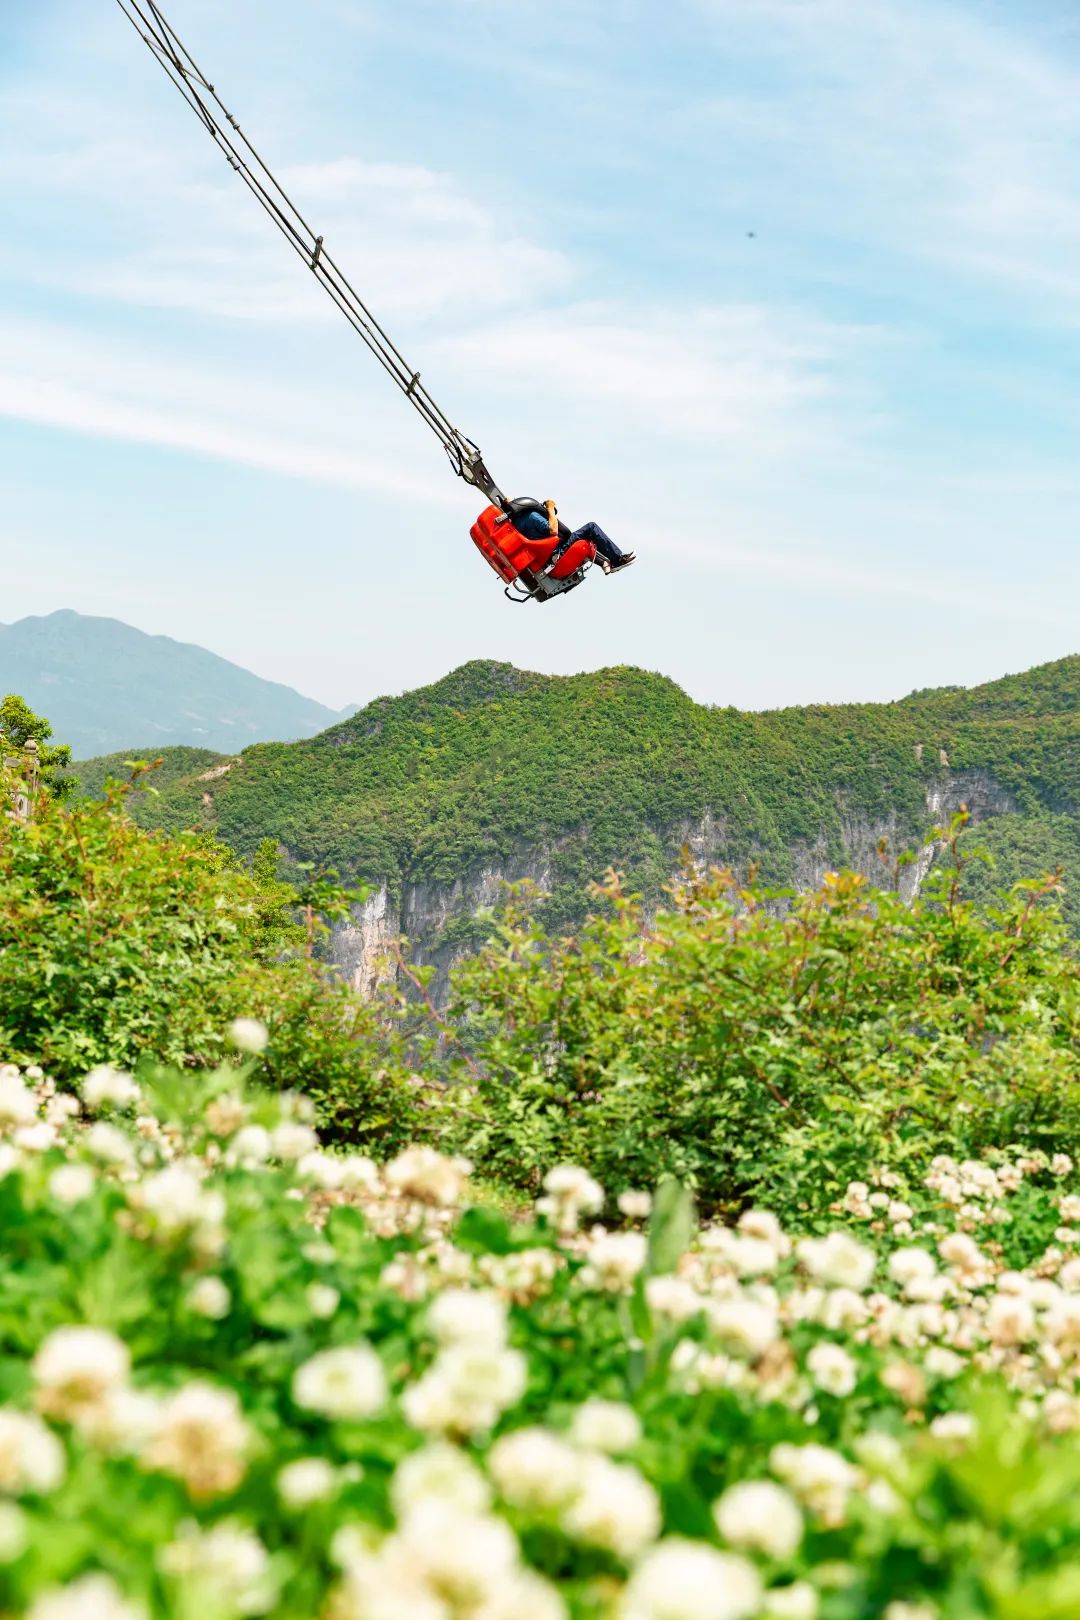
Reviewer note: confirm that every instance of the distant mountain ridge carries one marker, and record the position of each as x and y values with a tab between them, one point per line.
106	686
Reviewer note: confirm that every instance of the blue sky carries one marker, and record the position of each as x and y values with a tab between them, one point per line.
845	446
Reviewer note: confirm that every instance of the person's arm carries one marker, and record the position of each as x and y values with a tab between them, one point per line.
553	519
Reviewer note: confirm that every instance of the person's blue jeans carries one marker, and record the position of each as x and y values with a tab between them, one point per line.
605	546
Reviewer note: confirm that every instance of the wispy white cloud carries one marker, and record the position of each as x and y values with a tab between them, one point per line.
419	246
58	377
733	376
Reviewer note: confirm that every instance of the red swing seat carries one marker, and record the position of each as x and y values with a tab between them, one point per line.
524	565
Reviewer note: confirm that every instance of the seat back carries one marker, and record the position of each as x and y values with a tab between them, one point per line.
501	546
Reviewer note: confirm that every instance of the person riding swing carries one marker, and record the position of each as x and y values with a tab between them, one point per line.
537	522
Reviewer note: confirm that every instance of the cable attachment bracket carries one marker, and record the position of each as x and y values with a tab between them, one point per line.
315	257
469	464
168	55
413	380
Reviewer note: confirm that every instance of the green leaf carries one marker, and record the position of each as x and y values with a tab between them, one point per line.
671	1227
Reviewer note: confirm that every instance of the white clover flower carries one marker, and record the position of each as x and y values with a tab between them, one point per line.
953	1426
940	1362
672	1297
907	1266
799	1601
201	1438
249	1035
613	1507
613	1260
323	1170
535	1469
291	1140
344	1384
441	1471
523	1595
610	1426
9	1159
752	1256
570	1184
61	1109
90	1597
370	1563
856	1200
907	1382
322	1300
36	1138
1061	1165
18	1105
468	1316
910	1611
359	1173
1010	1319
31	1457
71	1183
689	1580
251	1145
832	1369
227	1564
763	1224
820	1477
306	1481
109	1144
636	1206
760	1517
467	1558
1069	1276
177	1199
960	1249
209	1297
1061	1412
466	1389
75	1367
842	1309
123	1421
838	1260
744	1325
108	1086
428	1176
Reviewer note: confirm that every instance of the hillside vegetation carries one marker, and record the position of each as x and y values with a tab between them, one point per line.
492	764
244	1372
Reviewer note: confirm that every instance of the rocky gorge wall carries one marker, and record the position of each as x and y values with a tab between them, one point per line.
434	916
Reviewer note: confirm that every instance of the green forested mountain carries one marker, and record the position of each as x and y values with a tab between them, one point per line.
495	772
106	685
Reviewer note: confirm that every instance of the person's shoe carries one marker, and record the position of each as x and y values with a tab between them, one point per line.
624	561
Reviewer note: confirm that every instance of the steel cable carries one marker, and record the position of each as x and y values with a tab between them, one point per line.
165	45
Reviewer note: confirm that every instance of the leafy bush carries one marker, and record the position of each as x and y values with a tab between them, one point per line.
239	1376
19	725
757	1054
115	942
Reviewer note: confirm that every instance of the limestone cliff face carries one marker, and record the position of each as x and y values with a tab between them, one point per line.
432	916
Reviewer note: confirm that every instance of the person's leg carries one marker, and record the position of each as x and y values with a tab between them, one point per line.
605	546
